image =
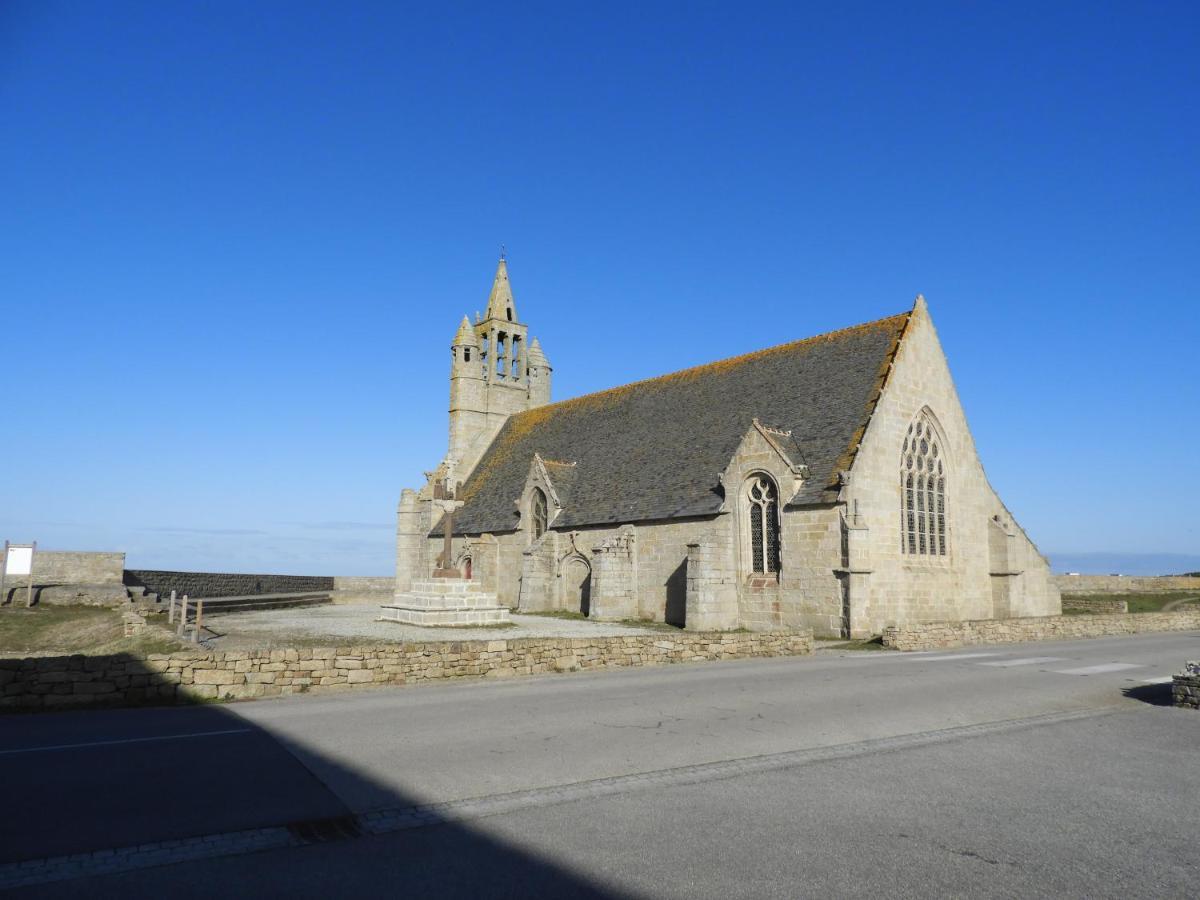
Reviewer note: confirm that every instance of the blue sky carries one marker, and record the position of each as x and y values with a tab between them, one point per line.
236	239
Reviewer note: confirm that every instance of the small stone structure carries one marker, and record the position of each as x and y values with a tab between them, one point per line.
186	676
948	635
71	578
1185	687
446	602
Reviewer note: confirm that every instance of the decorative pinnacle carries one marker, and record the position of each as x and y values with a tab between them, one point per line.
500	300
465	335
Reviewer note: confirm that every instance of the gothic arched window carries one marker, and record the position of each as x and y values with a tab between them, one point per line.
537	510
923	489
764	524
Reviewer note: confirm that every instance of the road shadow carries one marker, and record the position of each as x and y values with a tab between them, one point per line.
1153	694
89	780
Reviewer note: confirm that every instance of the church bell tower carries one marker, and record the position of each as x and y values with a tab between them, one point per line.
495	372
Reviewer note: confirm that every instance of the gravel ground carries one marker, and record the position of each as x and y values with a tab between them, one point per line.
333	625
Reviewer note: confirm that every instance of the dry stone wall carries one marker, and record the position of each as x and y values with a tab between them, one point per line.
363	590
1097	605
1125	584
71	567
1185	688
181	677
64	577
224	584
945	635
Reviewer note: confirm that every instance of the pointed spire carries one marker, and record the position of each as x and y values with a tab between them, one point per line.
500	300
465	335
536	356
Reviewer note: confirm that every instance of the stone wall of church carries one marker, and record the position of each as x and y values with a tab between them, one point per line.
978	574
811	545
807	591
656	559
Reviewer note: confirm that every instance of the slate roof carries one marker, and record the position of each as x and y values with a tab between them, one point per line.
652	450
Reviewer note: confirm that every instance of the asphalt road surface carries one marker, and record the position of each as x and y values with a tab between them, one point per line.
1041	769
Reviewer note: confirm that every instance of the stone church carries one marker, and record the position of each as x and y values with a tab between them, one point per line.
829	482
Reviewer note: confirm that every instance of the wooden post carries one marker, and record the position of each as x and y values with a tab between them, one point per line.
171	610
179	629
199	616
3	573
29	596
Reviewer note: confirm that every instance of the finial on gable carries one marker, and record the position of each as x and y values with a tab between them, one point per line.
920	304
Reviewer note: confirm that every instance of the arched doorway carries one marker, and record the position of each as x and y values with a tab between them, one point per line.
577	585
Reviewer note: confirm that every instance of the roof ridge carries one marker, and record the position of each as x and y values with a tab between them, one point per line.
539	411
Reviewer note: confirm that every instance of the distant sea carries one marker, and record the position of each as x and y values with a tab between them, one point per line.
1125	563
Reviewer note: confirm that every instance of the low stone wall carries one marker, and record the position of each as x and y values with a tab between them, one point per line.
223	584
1125	584
181	677
1082	604
944	635
66	577
72	567
1185	688
366	590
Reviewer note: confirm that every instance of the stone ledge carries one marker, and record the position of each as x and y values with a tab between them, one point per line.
948	635
446	617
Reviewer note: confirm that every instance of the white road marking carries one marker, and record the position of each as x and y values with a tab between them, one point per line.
1166	679
1032	660
956	656
141	740
1098	670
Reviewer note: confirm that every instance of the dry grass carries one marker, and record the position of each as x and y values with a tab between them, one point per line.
88	630
1140	603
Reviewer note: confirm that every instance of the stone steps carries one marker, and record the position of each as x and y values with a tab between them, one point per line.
445	602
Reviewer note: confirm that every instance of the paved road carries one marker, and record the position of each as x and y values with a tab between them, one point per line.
1036	769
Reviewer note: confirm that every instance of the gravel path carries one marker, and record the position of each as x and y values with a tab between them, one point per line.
330	625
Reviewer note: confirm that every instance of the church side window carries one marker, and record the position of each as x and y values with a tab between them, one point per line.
923	490
537	508
764	524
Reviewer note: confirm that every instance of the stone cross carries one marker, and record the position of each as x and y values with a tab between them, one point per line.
444	499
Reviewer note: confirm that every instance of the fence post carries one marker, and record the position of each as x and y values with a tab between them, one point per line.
29	596
199	615
171	610
179	629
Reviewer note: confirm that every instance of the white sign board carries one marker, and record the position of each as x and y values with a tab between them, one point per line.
20	561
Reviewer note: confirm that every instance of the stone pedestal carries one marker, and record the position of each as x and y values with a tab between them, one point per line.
445	602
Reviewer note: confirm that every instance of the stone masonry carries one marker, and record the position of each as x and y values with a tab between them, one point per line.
1126	584
844	569
947	635
1185	687
446	602
69	681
